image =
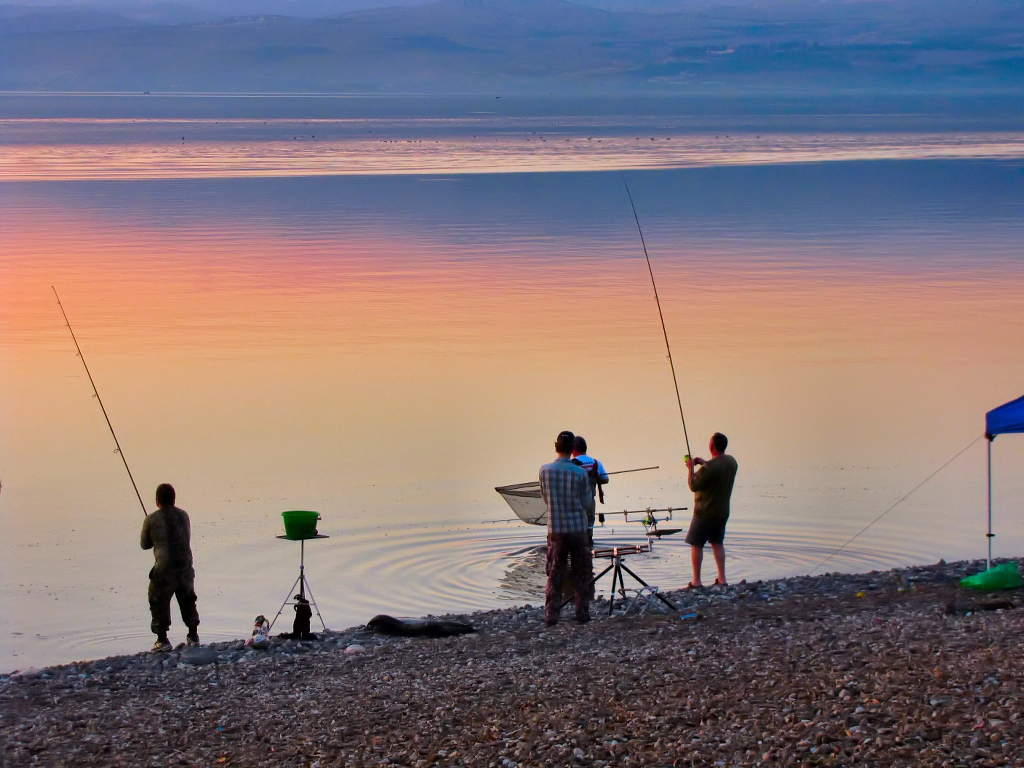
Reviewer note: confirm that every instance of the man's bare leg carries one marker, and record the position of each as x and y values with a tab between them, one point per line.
719	551
696	557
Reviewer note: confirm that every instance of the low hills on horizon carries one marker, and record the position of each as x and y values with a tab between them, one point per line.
516	46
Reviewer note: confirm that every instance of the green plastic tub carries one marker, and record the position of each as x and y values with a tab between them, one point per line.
1005	576
300	524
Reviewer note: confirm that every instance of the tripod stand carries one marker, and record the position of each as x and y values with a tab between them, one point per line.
616	566
301	582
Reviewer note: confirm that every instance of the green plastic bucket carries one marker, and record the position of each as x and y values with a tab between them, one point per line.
300	523
1005	576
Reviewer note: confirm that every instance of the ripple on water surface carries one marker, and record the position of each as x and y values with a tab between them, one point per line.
847	324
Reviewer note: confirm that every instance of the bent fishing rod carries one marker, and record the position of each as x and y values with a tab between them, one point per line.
661	315
100	401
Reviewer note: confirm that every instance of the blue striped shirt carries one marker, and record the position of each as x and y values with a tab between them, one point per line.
566	491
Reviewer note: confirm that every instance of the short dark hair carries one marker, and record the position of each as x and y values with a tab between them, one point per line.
580	444
165	495
565	441
720	441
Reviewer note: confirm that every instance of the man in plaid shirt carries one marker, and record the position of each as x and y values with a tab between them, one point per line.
569	499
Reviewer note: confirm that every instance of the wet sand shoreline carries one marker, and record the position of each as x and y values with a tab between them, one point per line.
896	667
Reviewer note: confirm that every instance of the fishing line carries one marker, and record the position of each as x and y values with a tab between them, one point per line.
657	300
899	501
679	400
100	401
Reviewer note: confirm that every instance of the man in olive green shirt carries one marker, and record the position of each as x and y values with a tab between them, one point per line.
712	490
168	533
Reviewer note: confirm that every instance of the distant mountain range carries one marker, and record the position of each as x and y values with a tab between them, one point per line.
517	46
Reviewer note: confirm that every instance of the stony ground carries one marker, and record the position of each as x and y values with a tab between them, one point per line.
894	668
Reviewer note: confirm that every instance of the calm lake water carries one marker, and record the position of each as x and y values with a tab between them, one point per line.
288	314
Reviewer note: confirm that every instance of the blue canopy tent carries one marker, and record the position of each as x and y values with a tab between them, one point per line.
1004	420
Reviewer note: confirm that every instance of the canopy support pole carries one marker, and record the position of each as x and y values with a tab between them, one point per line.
989	535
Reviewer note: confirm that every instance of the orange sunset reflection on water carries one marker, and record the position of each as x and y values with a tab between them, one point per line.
389	350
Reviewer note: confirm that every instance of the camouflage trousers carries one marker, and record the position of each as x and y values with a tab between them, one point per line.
165	584
568	550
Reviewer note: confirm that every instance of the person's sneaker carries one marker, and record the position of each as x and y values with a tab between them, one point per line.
162	645
192	640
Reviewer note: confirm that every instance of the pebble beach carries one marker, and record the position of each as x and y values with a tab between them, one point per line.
900	667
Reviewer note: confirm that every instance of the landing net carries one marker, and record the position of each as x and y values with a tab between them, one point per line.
526	502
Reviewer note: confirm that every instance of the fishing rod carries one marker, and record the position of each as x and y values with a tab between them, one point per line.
649	520
664	330
627	471
100	401
646	511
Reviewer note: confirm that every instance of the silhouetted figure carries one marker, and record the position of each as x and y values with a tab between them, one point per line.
712	491
168	533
